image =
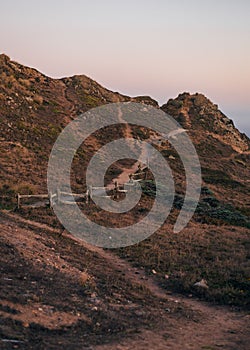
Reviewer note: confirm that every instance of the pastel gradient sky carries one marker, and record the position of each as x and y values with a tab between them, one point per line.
142	47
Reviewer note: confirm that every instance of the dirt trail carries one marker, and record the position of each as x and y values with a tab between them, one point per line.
217	327
128	134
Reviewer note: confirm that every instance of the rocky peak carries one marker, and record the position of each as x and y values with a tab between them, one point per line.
196	112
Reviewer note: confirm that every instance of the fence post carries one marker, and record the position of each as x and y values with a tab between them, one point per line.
18	201
50	200
116	195
87	196
90	192
58	195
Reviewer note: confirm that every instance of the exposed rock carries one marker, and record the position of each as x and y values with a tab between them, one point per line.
197	112
201	284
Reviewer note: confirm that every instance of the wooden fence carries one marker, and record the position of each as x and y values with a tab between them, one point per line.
43	197
69	198
52	198
64	197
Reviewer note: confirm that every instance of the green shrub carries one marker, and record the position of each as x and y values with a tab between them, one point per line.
215	177
206	191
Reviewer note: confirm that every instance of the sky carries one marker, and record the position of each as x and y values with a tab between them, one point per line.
158	48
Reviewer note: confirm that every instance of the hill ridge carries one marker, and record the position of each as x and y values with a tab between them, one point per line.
35	108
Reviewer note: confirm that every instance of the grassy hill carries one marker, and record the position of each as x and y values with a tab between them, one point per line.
215	246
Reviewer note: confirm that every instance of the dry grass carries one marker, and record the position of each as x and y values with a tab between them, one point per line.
218	254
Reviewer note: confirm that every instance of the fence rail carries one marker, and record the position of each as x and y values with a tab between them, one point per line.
21	196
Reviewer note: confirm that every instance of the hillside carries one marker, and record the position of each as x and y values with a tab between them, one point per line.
222	149
58	291
34	109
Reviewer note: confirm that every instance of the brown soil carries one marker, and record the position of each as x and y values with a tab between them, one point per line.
60	292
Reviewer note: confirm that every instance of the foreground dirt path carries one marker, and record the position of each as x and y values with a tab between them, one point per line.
212	327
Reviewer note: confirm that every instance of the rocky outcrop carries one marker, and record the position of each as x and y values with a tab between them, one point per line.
198	113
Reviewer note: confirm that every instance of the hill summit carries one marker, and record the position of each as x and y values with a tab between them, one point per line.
196	111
